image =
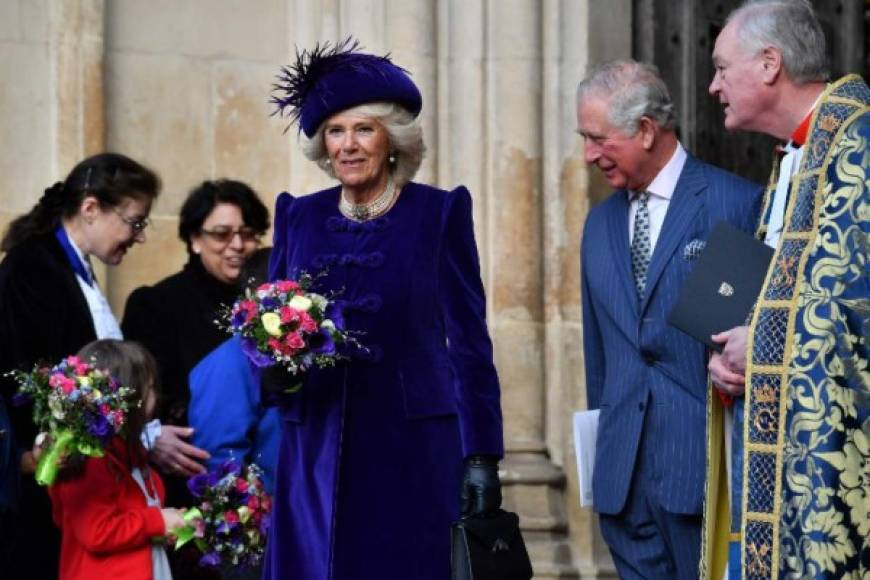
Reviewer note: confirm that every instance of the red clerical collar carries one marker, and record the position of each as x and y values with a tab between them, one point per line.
799	137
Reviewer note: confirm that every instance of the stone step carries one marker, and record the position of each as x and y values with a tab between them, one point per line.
551	559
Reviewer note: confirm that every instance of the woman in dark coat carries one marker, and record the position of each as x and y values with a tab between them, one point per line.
376	450
221	223
51	306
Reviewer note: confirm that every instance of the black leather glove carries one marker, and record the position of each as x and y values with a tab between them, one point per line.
276	381
481	488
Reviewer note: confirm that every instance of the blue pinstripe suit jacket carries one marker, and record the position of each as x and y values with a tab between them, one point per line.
646	377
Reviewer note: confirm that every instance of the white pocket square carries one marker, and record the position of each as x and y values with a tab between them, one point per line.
693	249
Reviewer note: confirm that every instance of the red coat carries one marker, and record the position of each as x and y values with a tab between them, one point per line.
106	525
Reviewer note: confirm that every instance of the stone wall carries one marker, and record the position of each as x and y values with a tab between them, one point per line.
183	85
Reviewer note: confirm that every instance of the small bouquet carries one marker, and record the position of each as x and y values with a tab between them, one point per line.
284	323
232	519
79	406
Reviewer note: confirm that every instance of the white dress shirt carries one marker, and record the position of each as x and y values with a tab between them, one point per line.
105	323
787	168
661	191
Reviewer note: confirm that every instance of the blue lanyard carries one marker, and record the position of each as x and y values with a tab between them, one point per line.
77	265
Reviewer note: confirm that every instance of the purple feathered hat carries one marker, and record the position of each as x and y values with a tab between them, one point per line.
328	79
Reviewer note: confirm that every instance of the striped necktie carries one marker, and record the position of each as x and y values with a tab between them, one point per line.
640	243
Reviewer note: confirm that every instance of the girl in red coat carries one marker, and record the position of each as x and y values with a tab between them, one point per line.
109	509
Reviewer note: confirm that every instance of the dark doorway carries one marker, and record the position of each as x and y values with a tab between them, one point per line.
678	36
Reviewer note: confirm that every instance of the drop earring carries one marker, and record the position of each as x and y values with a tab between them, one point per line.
392	158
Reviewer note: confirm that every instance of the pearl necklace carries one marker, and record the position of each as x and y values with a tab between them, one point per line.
360	212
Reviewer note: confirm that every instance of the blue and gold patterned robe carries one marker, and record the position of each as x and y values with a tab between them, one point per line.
803	464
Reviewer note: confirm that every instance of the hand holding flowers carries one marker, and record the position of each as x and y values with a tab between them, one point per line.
172	519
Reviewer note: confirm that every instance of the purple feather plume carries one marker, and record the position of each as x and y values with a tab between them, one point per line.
297	81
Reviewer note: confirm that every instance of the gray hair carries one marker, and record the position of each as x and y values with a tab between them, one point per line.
404	132
790	26
633	90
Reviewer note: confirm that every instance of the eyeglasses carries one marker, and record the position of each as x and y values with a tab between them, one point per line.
137	225
226	235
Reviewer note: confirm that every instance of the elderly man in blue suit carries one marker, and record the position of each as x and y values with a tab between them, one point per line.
648	379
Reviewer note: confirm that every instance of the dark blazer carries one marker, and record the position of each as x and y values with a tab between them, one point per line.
647	378
43	317
175	320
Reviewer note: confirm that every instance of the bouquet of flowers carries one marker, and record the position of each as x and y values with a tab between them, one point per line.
79	406
284	323
231	521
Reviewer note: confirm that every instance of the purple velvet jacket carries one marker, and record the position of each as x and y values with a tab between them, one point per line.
372	451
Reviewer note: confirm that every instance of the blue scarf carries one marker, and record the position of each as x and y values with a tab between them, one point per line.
75	261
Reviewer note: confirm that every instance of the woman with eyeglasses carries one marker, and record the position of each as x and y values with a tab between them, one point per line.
51	305
221	223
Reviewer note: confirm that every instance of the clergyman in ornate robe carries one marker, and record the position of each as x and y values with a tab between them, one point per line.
801	470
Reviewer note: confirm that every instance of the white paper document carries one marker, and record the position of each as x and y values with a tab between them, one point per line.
585	434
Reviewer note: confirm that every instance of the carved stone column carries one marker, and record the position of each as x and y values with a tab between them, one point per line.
76	96
514	130
579	35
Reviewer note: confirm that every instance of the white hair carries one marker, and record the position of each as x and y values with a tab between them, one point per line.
633	90
403	130
790	26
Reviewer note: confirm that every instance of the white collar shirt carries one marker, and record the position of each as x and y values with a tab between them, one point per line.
788	166
105	323
661	191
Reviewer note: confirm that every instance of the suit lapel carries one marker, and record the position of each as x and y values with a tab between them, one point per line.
618	230
685	203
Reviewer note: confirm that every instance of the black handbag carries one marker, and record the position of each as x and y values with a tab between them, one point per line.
490	547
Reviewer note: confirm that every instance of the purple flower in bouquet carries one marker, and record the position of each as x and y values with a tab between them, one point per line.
224	527
210	559
238	320
99	427
260	359
334	312
269	303
322	342
230	466
199	484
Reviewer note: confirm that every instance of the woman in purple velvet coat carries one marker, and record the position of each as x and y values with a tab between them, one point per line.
381	453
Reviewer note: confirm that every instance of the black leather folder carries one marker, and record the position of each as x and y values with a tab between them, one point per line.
722	288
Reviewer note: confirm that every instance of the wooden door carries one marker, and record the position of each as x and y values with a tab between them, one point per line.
678	36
